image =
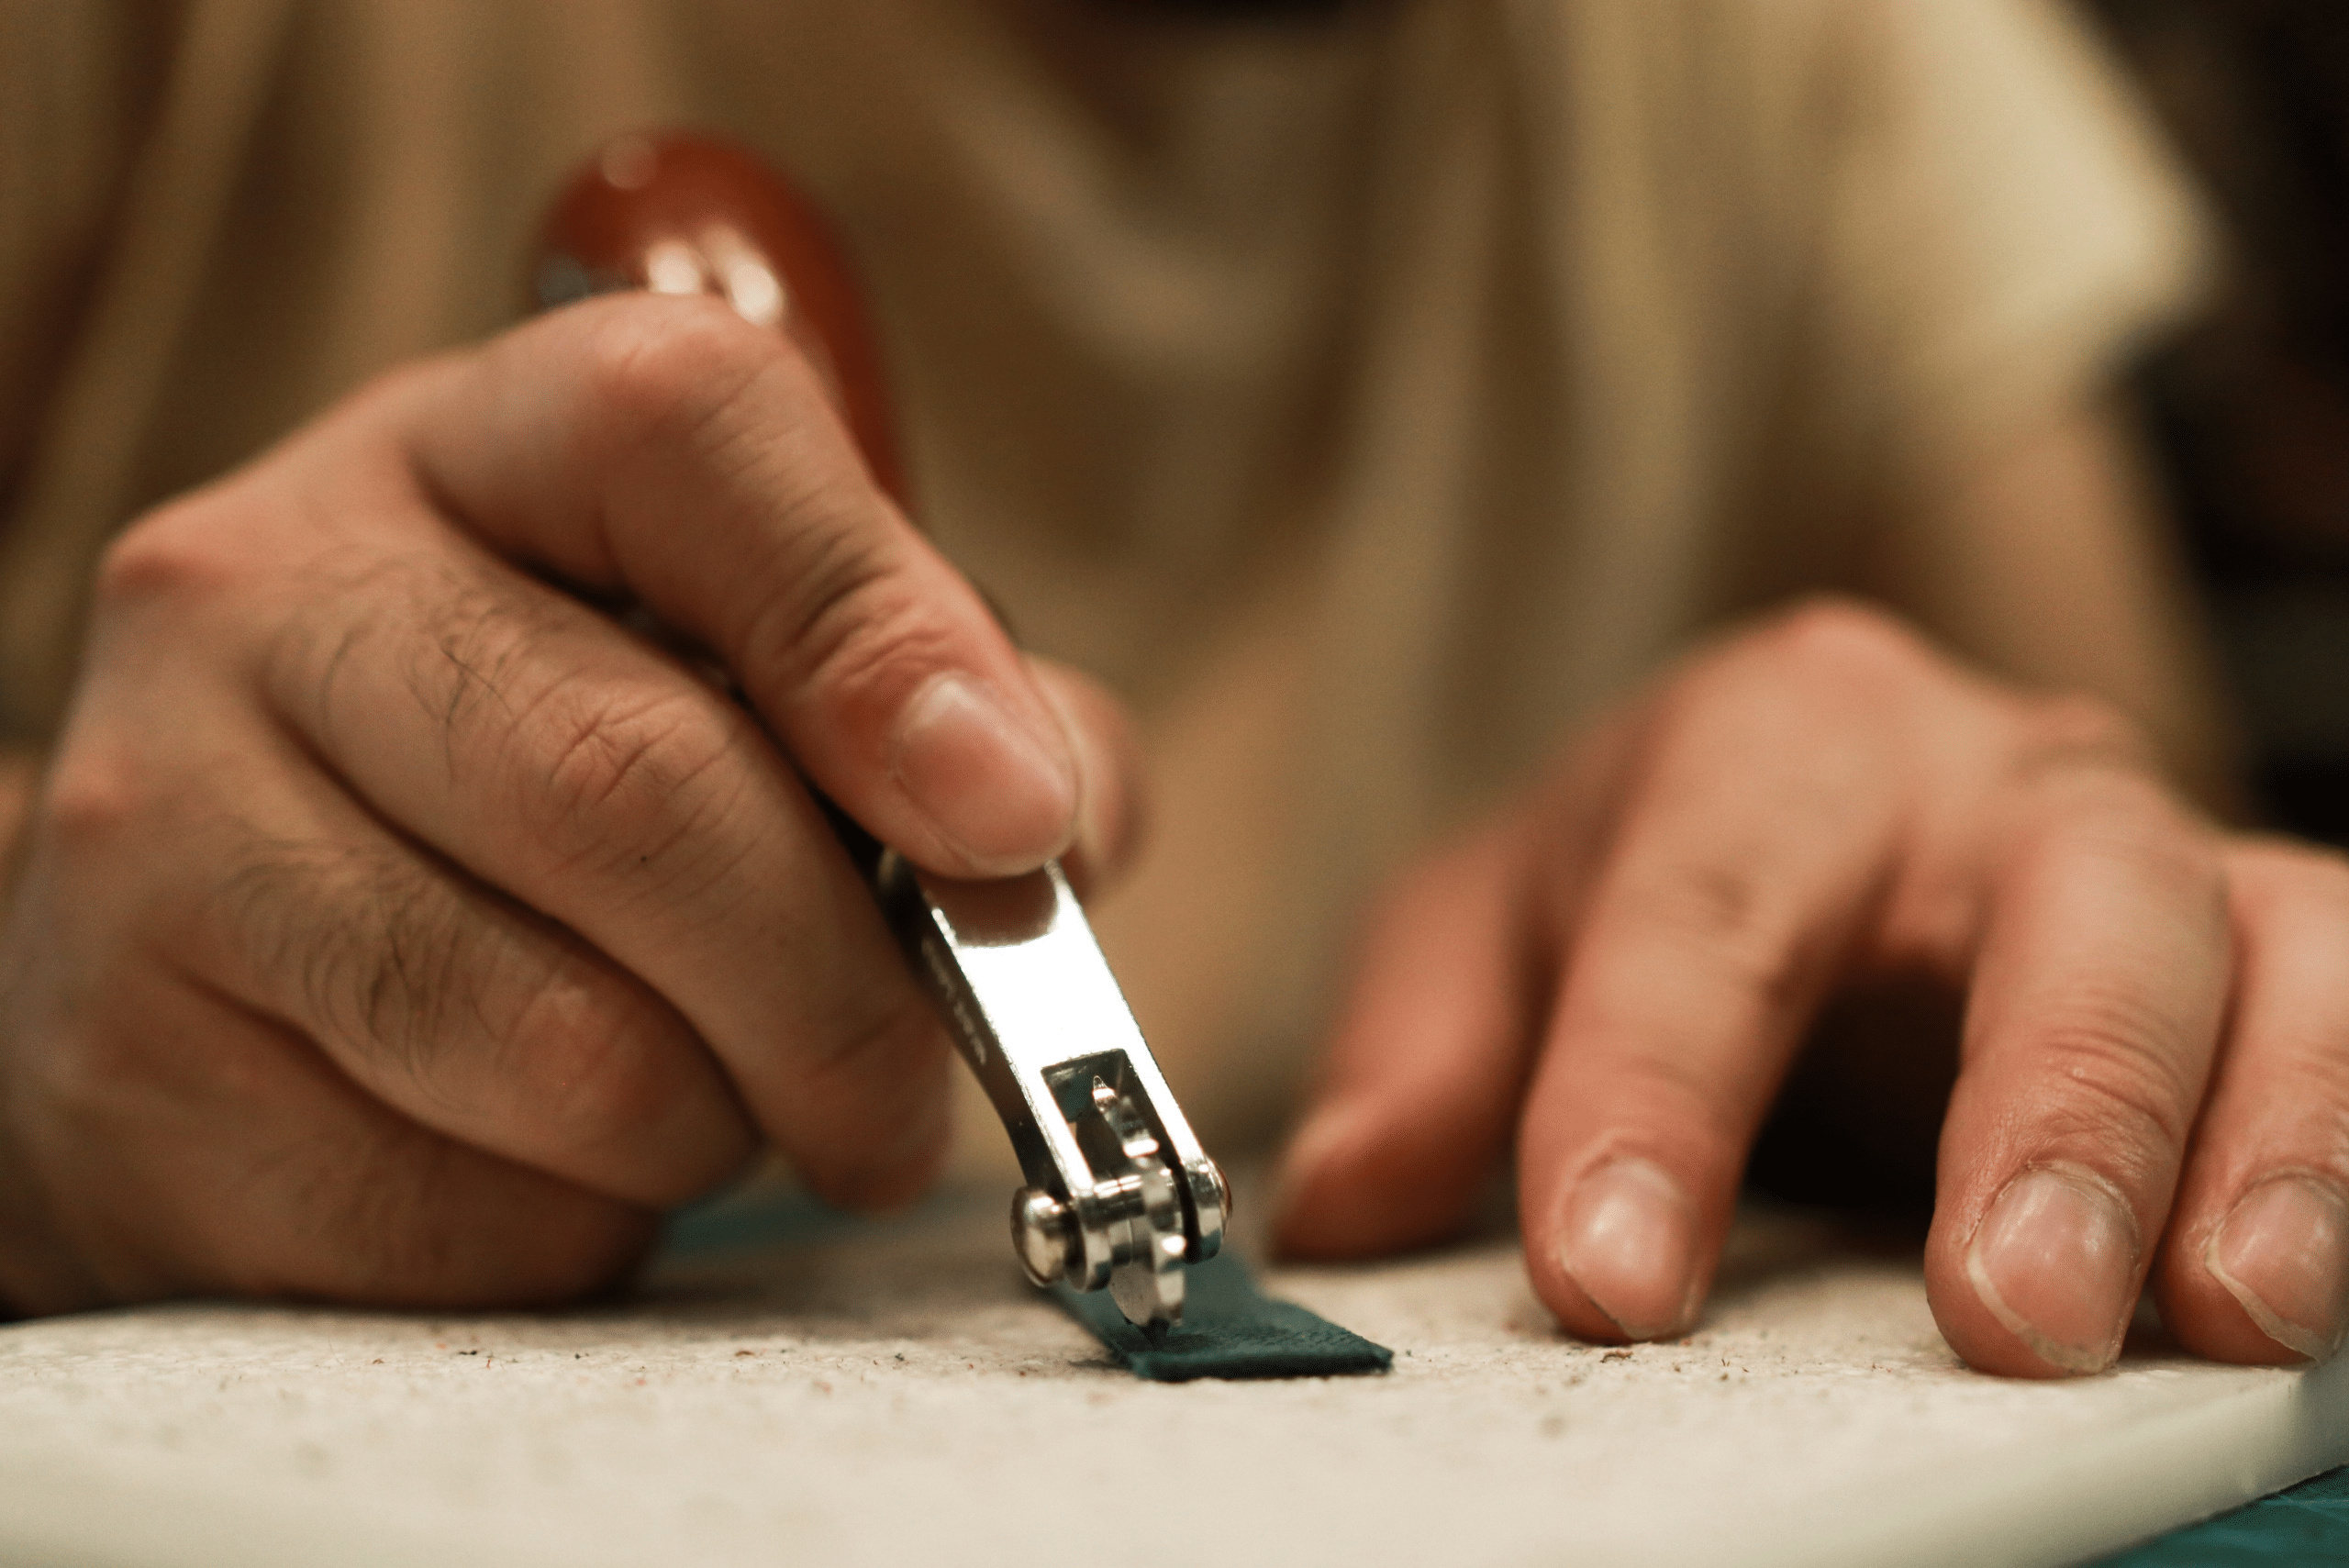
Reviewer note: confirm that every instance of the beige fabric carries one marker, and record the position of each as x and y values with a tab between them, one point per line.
1369	400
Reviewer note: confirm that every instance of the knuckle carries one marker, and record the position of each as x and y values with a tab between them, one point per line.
81	1072
854	628
394	969
93	798
2125	822
658	365
2117	1075
2273	876
1674	1099
2077	729
1835	641
477	642
584	1053
1731	920
631	775
182	549
1828	668
373	951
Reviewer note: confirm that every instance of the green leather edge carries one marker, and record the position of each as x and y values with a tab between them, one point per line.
2304	1524
1230	1329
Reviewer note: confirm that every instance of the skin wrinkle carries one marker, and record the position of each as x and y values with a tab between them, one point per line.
1942	914
621	428
374	1195
827	629
1939	860
435	595
486	623
834	564
469	679
388	971
899	1021
380	1003
906	1030
726	804
413	984
2127	1069
629	784
2125	826
1777	962
394	982
580	1102
699	363
720	864
481	633
732	449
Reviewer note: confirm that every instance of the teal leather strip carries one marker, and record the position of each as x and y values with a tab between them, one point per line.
1228	1329
2304	1524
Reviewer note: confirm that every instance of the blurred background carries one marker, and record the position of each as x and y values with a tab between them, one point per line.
2249	411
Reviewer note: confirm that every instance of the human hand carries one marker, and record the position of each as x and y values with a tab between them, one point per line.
393	925
1615	972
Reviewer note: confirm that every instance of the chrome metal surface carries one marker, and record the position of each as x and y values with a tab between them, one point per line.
1044	1234
1128	1196
1147	1280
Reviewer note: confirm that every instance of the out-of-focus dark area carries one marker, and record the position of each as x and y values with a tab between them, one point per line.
2250	410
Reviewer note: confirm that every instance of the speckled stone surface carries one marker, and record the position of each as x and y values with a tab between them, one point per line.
898	1395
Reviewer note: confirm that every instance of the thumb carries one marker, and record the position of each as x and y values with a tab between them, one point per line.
667	450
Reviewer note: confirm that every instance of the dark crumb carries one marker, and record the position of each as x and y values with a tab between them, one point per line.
746	1352
1615	1356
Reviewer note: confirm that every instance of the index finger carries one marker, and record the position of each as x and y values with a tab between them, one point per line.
667	449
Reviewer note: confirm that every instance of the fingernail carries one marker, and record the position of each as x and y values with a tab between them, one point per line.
2283	1252
2055	1262
1631	1244
999	789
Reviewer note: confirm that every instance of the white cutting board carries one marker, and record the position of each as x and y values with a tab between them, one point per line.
906	1400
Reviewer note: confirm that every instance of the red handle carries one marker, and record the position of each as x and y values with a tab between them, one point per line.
679	213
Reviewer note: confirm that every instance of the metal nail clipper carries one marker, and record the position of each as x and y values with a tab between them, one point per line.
1118	1192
